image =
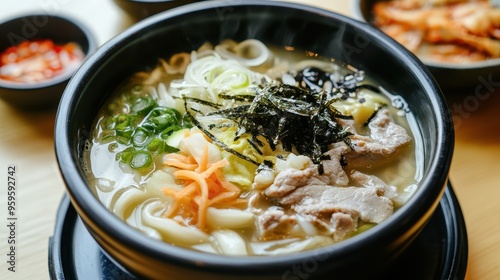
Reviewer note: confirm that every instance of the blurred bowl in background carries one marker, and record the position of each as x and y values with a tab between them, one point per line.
140	9
450	76
44	36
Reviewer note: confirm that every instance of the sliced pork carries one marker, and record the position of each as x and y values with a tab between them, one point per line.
385	140
292	178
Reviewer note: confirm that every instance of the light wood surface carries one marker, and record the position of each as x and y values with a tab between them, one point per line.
26	141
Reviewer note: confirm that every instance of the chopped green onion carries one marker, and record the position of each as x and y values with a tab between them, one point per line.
125	155
169	130
143	105
124	136
107	135
160	118
141	137
113	147
141	160
110	123
159	146
144	131
122	122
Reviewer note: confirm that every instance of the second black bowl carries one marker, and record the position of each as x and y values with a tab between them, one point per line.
479	76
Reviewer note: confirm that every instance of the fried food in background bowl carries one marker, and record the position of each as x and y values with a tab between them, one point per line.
459	40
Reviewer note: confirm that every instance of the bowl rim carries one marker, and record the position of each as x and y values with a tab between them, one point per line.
112	225
488	63
66	75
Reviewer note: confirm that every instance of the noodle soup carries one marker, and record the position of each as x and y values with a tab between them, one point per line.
245	149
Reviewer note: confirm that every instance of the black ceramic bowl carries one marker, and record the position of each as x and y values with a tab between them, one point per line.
279	24
450	76
45	94
140	9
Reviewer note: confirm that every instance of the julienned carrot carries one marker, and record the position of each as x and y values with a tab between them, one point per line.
180	165
202	202
215	167
204	186
178	195
179	157
180	161
222	196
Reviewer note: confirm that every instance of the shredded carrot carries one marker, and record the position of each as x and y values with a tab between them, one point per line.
214	167
223	196
189	175
178	196
191	159
181	165
179	161
178	157
204	186
170	192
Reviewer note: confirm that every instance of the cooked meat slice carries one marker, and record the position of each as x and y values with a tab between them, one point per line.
275	222
343	224
331	210
334	174
289	179
316	199
385	140
373	182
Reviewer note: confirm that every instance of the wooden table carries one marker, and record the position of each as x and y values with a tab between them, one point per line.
26	141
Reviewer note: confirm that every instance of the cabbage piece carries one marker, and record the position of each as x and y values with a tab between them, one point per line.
194	145
239	171
361	111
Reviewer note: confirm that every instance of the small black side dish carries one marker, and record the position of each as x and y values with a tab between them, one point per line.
42	95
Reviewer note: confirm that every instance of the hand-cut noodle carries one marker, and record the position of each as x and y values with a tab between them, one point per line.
169	228
229	218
